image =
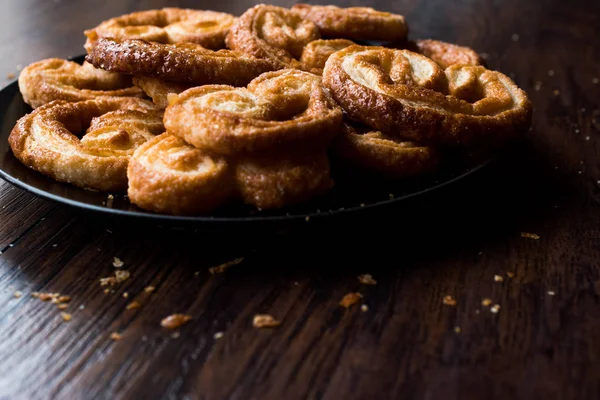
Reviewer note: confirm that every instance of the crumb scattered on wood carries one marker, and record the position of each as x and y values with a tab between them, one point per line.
551	292
219	269
495	308
449	300
457	329
498	278
17	294
176	335
351	299
175	321
35	295
133	305
364	308
218	335
265	321
125	295
64	299
11	76
510	274
63	306
115	336
529	235
66	316
367	279
486	302
149	289
117	262
120	276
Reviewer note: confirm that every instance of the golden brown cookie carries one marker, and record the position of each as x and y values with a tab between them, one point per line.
278	110
409	96
354	23
382	154
446	54
272	181
185	63
166	175
273	33
167	25
47	141
57	79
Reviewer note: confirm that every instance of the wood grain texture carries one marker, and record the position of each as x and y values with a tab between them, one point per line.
542	344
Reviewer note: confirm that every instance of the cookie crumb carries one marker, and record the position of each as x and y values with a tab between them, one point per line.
117	262
449	300
121	276
175	321
551	292
265	321
367	279
218	335
125	295
510	274
556	92
133	305
364	308
64	299
350	299
17	294
35	295
65	316
529	235
486	302
457	329
495	308
115	336
307	219
219	269
149	289
10	76
63	306
176	335
498	278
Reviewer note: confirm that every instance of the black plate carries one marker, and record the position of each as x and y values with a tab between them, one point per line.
355	192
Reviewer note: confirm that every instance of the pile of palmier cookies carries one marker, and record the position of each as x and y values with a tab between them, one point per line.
186	110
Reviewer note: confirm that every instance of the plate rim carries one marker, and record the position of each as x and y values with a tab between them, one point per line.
220	219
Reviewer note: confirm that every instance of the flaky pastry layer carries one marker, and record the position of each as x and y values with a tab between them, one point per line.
56	79
186	63
167	25
355	23
47	140
282	109
408	95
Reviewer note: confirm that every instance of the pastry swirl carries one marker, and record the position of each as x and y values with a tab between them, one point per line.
383	154
167	25
57	79
185	63
166	175
354	23
45	140
282	109
407	95
274	33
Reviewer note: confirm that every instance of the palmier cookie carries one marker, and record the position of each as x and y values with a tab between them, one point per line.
274	33
167	175
408	95
317	52
45	140
159	90
354	23
282	109
57	79
446	54
185	63
274	181
382	154
167	25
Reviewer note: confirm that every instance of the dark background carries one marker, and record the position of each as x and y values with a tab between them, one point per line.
405	346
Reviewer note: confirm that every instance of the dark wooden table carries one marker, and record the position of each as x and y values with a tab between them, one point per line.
544	341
